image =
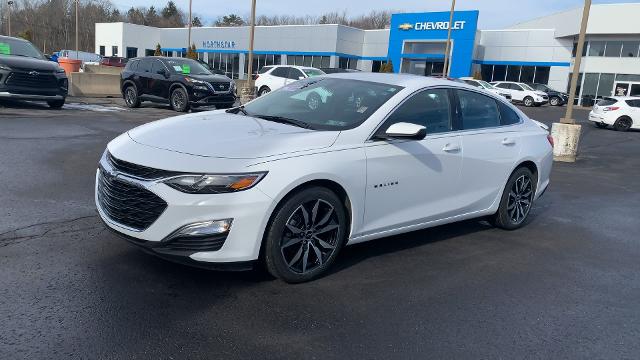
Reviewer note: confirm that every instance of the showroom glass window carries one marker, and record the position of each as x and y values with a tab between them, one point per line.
478	111
114	51
596	48
499	72
630	48
102	50
541	75
429	108
513	72
527	74
613	49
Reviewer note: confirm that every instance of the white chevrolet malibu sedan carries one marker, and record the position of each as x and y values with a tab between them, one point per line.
295	175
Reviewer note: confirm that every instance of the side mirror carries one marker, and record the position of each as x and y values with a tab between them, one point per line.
403	130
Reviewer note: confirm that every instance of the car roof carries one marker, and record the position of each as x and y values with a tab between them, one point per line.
13	38
292	66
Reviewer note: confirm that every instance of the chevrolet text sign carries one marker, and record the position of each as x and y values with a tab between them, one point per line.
432	25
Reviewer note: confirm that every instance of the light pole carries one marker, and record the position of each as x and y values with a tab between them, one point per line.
445	71
190	23
77	56
247	90
9	3
566	133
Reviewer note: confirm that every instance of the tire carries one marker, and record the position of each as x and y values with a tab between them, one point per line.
130	94
601	125
179	99
264	90
623	123
56	104
314	101
516	201
295	251
528	101
555	101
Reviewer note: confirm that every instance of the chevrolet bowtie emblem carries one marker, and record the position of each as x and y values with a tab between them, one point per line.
405	26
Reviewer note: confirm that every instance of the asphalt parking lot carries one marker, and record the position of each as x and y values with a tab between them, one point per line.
565	286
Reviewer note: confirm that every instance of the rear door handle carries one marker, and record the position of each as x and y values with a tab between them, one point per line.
451	148
508	141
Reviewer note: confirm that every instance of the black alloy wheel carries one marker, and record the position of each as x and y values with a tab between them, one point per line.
554	101
623	123
179	100
305	235
516	201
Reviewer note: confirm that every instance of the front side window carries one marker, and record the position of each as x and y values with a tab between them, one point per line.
515	87
478	111
313	72
323	103
295	74
503	86
145	66
429	108
282	72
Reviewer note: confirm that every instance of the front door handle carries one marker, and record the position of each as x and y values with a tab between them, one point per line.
508	141
451	148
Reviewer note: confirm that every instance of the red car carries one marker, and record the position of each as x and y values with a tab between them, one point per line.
114	61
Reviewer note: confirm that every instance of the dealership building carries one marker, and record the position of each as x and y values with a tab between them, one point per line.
541	50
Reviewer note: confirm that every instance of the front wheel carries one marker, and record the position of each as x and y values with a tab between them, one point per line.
528	101
179	100
56	104
305	235
131	98
516	201
555	101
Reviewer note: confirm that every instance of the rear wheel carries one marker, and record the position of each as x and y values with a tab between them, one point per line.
623	123
516	201
56	104
528	101
179	100
305	235
131	98
263	91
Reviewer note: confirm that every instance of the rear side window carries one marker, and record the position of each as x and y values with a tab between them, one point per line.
515	87
633	103
295	74
503	86
282	72
132	65
265	69
478	111
145	66
606	102
507	115
429	108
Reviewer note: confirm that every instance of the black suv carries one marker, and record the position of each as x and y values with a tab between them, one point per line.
556	98
26	74
181	82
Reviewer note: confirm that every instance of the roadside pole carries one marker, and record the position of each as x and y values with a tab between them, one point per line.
77	57
9	3
445	70
247	93
190	24
566	133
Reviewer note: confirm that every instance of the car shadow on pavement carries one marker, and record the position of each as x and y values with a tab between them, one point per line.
20	104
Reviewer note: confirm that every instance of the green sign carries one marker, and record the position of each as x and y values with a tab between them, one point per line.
5	49
186	69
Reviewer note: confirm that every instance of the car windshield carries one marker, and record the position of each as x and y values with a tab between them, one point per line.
485	84
323	103
187	67
527	87
17	47
313	72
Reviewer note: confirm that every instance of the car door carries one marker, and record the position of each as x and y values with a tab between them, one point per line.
505	88
158	82
277	77
490	137
517	92
411	182
143	76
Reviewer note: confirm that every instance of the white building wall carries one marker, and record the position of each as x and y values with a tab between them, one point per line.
375	43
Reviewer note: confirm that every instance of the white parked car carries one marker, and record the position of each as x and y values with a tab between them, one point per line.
280	182
481	84
623	113
273	77
522	93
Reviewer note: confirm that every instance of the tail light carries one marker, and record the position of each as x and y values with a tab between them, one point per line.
550	139
611	108
255	77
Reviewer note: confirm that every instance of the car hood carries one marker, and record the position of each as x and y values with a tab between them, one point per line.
21	62
222	135
209	78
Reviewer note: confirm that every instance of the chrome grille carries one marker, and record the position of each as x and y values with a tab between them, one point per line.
128	204
220	86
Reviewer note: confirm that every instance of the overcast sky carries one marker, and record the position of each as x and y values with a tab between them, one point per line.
494	14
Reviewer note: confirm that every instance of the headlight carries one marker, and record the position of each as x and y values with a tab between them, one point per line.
59	70
215	184
194	81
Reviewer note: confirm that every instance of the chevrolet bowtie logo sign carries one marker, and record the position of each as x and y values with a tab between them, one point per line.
405	26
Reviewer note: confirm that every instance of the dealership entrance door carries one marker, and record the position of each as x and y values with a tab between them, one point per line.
423	67
626	88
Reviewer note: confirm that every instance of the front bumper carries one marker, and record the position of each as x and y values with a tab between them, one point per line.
249	210
24	85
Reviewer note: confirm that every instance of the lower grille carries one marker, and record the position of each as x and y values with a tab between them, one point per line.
208	243
21	79
220	86
128	204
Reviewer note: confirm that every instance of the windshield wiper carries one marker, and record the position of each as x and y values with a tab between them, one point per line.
238	109
284	120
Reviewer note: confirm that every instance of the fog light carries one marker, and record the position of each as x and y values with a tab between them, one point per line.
202	229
